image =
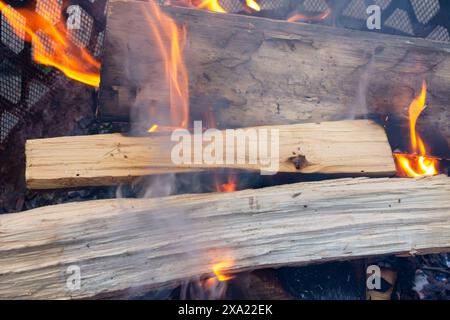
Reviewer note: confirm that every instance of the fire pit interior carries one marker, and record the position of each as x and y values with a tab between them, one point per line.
224	149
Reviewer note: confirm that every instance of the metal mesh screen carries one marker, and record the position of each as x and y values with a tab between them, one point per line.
23	83
421	18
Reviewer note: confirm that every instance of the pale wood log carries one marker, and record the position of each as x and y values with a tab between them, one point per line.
354	147
143	244
256	71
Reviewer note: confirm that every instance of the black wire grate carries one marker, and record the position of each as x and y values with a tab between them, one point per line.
420	18
23	83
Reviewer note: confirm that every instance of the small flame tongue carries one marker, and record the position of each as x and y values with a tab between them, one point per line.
211	5
252	4
415	110
76	63
417	163
304	18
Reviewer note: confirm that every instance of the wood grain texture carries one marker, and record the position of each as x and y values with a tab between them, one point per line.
140	244
356	147
254	71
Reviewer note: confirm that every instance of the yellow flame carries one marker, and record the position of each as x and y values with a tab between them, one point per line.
416	166
211	5
153	128
253	5
219	269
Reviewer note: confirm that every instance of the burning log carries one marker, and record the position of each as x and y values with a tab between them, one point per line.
130	243
355	147
255	71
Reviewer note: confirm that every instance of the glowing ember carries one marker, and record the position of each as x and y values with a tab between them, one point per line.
230	186
52	47
304	18
170	41
253	5
416	164
219	269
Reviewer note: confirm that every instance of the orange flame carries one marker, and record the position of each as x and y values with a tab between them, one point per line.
170	41
304	18
417	164
76	63
220	268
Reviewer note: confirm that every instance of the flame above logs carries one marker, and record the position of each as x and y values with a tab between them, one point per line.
170	40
